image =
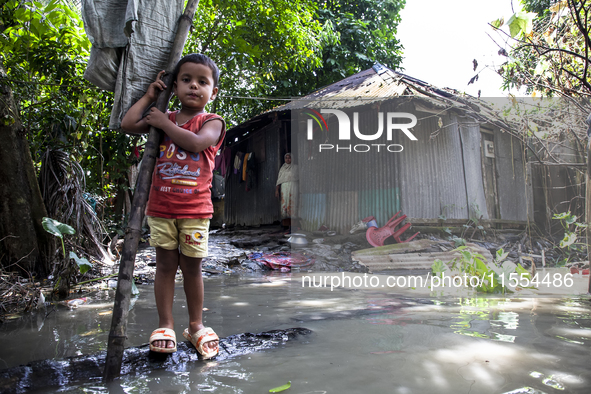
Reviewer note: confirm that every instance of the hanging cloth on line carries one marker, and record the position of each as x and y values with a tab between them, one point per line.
131	42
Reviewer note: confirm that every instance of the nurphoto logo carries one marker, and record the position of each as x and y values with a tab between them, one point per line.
344	130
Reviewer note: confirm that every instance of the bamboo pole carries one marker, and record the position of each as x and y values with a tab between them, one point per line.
118	331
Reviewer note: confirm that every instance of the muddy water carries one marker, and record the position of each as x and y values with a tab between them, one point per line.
364	340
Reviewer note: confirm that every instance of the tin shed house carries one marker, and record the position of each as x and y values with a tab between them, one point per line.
431	153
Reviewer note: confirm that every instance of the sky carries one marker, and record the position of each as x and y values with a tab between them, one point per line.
442	37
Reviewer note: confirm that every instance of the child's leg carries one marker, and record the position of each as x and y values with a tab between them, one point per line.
193	285
167	262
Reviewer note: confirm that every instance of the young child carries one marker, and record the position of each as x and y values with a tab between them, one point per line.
179	207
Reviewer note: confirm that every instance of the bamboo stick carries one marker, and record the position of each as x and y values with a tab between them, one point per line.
118	331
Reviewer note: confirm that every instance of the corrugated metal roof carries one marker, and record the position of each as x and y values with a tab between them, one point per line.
363	88
380	83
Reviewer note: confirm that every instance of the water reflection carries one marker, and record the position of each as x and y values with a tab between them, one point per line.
363	340
485	318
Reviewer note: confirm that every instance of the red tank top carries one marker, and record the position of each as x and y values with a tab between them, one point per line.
181	182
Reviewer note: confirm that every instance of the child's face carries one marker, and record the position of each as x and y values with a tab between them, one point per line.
194	86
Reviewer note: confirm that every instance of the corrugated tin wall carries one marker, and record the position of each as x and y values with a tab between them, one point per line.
471	150
339	188
440	175
259	205
432	180
514	187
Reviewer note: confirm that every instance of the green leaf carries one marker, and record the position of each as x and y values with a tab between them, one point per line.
281	388
466	254
56	228
501	255
83	264
521	22
569	239
481	267
497	23
50	226
562	215
571	219
51	6
459	243
65	229
439	266
520	270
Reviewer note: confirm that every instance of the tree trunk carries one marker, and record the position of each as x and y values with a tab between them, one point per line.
24	244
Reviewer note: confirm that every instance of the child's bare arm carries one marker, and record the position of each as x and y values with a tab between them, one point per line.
133	122
208	135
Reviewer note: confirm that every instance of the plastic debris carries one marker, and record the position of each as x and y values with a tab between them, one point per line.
75	303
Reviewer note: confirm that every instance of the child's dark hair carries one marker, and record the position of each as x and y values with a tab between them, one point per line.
199	59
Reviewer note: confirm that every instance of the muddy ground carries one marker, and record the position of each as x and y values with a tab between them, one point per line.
231	250
237	250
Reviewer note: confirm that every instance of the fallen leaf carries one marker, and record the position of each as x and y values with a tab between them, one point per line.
281	388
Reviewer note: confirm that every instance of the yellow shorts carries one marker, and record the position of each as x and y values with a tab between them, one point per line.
190	234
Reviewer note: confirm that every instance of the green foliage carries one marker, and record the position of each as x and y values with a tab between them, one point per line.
478	274
59	229
549	52
44	52
537	6
439	267
572	232
253	42
289	49
83	264
458	241
56	228
521	23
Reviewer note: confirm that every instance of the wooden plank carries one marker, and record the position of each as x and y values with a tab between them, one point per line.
406	247
419	260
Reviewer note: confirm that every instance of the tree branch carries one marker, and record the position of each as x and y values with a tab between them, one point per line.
583	29
583	81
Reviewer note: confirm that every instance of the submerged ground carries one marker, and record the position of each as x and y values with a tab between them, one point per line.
364	338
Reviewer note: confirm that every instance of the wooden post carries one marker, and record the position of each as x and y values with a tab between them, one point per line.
118	331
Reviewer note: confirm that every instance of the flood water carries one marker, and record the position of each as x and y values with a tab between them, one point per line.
370	340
